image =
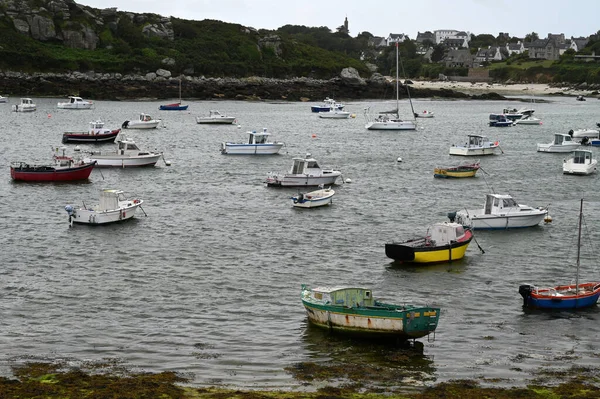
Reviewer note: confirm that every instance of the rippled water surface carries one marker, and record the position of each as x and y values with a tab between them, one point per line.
208	284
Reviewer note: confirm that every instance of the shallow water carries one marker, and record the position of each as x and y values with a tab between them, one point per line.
208	284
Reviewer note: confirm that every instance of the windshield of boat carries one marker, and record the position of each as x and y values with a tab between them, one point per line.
313	164
509	203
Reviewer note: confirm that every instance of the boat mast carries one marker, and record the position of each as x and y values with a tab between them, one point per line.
397	84
578	248
179	91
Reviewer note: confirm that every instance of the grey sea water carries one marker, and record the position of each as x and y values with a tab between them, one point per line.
208	284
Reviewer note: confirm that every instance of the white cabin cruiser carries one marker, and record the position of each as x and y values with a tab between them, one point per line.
26	105
113	207
583	133
475	146
258	144
561	143
500	212
581	162
127	155
215	118
305	171
75	103
145	121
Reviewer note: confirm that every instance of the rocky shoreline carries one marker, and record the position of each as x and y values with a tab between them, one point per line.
160	85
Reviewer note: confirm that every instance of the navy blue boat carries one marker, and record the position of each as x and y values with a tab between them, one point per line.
328	106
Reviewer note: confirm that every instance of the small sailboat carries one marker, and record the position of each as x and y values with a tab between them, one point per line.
174	106
569	296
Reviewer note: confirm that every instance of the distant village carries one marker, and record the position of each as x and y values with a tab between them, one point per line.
458	52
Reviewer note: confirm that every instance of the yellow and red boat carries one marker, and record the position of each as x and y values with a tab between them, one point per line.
444	242
463	170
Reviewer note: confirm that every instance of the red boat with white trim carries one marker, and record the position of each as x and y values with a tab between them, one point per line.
65	168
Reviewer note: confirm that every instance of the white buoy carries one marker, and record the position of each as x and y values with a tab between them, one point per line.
348	180
76	148
399	159
239	126
168	163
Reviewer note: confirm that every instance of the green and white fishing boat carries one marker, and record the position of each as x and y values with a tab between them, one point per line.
353	310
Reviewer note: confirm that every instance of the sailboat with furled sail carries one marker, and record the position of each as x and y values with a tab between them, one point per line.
391	121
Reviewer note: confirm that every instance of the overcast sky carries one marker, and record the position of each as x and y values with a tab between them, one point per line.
382	17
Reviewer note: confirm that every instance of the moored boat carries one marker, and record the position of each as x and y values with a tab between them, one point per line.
463	170
145	121
96	134
444	242
476	145
424	114
75	103
215	118
581	162
26	105
258	143
500	212
528	120
3	99
305	171
127	155
334	114
313	199
327	105
353	310
569	296
500	120
113	207
64	168
561	143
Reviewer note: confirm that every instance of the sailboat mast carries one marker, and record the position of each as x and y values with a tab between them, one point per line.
397	84
578	248
179	90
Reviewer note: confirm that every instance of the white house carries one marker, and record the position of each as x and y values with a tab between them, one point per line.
396	38
515	48
443	34
578	43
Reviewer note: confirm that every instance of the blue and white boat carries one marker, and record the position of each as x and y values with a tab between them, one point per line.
329	104
569	296
313	199
500	120
258	144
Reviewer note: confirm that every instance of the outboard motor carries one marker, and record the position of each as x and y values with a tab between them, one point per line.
125	125
525	290
452	216
585	140
69	209
571	132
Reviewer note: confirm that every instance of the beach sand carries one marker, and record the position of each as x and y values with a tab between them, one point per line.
520	89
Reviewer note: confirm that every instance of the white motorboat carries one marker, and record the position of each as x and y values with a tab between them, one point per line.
113	207
76	103
561	143
215	118
581	162
145	121
26	105
424	114
258	144
393	122
334	113
516	114
313	199
127	155
528	120
305	171
3	99
500	212
583	133
475	146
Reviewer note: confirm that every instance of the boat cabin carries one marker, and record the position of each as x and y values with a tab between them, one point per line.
74	100
343	296
258	138
477	141
26	101
109	199
498	203
145	118
127	145
445	232
306	165
582	157
560	138
499	118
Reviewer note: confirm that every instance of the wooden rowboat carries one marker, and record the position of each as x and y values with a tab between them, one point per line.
463	170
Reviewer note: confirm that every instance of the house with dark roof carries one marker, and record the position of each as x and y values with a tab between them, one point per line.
396	38
488	54
545	49
515	48
427	35
459	58
377	41
455	43
578	43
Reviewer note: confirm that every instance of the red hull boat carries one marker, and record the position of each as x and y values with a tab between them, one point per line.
64	169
